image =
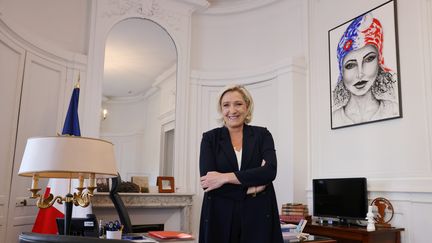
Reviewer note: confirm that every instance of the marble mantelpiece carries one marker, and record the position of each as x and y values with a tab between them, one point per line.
136	201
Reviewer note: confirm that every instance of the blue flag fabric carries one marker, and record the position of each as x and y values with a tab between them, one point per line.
71	125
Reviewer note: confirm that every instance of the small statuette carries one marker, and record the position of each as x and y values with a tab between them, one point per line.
370	220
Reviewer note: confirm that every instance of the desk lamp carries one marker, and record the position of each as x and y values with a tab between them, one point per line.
67	157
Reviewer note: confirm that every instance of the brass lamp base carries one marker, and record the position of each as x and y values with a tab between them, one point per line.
77	199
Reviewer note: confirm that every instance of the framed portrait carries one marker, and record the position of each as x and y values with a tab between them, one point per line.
165	184
364	68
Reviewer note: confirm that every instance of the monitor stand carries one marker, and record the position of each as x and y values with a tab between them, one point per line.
344	222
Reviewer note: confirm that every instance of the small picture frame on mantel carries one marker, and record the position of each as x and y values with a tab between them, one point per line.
165	184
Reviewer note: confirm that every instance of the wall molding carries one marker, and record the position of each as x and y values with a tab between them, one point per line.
418	185
3	208
149	9
251	76
129	99
123	134
232	7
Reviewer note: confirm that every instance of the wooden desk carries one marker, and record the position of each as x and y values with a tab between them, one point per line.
352	234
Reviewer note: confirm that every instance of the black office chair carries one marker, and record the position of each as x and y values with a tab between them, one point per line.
43	238
119	205
123	213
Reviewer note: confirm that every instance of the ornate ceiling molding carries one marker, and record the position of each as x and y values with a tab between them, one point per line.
230	7
150	9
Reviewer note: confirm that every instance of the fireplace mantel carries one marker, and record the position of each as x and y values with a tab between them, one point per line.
136	201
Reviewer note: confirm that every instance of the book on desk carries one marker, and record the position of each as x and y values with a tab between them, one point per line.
169	235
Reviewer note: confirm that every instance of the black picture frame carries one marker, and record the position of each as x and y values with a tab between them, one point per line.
365	99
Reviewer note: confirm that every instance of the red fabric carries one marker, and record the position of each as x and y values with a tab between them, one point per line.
46	219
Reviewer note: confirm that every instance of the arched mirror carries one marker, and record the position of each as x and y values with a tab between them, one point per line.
139	89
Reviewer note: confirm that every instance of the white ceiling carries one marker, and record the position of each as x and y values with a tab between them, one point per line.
137	51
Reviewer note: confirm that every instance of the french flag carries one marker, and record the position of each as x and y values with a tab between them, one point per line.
46	219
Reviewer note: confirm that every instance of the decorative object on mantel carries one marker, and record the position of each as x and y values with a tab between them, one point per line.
102	185
127	186
385	212
370	220
142	182
165	184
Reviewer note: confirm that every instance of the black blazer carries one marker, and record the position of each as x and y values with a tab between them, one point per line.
260	216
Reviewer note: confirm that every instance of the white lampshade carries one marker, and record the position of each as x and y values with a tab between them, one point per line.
68	157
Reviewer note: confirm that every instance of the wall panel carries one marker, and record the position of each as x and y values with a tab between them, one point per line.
40	115
11	68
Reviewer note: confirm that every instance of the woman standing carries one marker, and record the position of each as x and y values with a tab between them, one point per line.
237	167
365	90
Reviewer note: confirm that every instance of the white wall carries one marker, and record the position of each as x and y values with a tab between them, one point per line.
394	155
248	40
124	116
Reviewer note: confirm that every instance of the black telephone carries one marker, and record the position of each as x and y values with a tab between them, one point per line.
81	226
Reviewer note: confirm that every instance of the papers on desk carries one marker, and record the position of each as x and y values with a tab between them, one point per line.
136	237
292	231
146	240
288	227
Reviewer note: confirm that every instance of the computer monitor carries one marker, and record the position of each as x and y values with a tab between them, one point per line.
342	198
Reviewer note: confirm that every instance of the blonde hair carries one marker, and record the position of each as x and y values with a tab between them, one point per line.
246	97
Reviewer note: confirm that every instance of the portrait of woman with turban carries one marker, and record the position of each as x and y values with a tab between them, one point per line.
366	90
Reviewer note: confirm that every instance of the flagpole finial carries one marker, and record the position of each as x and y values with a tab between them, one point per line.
79	78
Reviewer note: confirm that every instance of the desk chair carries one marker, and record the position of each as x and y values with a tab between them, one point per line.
123	213
43	238
119	205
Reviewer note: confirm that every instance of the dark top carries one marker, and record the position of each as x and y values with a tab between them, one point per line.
259	215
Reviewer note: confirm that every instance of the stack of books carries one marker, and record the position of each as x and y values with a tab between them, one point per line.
294	212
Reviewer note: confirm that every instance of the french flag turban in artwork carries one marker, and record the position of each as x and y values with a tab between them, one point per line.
363	30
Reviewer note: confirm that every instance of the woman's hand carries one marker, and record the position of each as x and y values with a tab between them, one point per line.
256	189
213	180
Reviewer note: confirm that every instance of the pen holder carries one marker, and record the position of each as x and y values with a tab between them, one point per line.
117	234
